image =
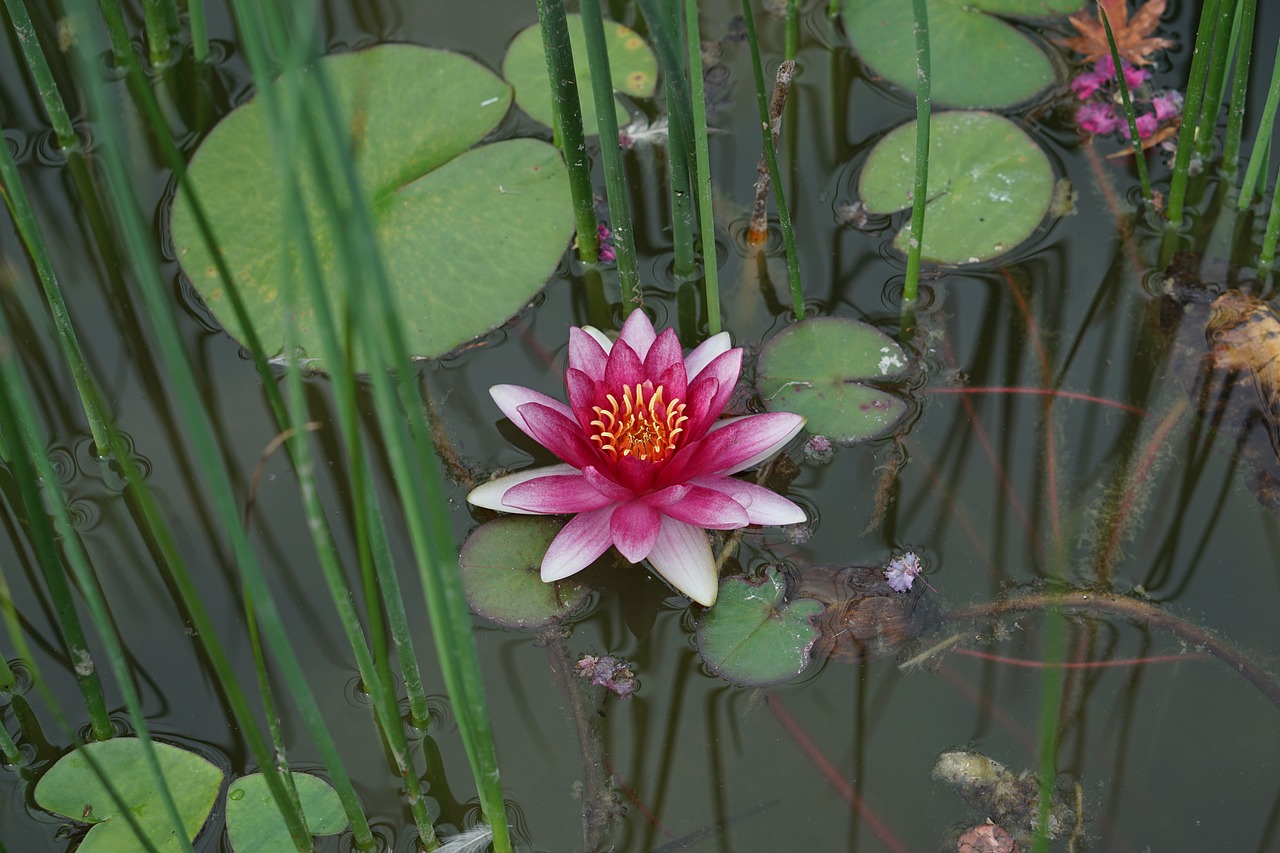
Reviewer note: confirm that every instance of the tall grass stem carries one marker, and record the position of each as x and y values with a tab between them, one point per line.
920	187
1242	47
615	180
1135	140
1219	59
702	172
46	87
1258	155
1191	112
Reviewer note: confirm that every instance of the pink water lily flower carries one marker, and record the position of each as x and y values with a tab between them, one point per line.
647	466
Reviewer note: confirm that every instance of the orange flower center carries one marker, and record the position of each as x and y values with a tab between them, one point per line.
643	429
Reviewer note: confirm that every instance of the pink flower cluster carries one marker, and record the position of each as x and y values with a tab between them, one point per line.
1101	110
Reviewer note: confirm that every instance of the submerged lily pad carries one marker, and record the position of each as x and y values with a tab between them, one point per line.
977	60
632	67
254	822
990	185
74	789
501	562
755	635
817	368
468	236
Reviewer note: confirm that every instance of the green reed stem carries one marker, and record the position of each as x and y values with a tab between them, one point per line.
24	217
1268	252
615	179
7	679
113	17
51	525
1258	155
9	750
792	44
1219	59
706	214
771	156
1139	158
199	30
567	111
680	155
1054	643
144	263
920	191
159	43
1191	110
1242	39
46	87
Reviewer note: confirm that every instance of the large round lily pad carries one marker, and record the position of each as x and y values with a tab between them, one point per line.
990	185
755	635
74	789
818	368
501	573
632	67
468	235
254	822
977	60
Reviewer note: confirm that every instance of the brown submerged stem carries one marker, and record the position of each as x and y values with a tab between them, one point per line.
1138	610
759	227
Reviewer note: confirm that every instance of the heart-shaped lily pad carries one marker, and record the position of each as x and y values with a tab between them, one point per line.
468	236
73	788
977	60
501	575
990	185
755	635
254	822
632	67
817	368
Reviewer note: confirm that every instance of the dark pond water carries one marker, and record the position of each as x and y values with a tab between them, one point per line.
1172	750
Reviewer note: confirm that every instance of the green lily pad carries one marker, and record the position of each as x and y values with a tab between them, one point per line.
817	368
254	822
71	787
755	635
501	562
990	185
977	60
468	236
632	67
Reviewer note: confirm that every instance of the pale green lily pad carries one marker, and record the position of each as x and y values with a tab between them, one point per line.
501	562
71	787
632	67
254	822
468	236
977	60
755	635
817	368
990	185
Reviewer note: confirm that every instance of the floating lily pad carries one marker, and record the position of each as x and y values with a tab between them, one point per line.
468	236
501	562
977	60
73	788
817	368
632	67
755	635
990	185
254	822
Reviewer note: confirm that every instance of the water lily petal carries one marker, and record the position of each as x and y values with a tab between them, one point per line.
557	432
634	527
586	353
664	352
582	397
667	496
682	555
604	340
489	495
635	475
511	397
672	381
734	447
708	508
724	369
701	395
602	483
704	352
555	495
578	544
638	332
763	506
624	368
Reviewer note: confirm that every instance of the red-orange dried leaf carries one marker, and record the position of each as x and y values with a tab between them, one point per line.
1132	35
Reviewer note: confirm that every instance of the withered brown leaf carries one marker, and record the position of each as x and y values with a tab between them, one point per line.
1132	35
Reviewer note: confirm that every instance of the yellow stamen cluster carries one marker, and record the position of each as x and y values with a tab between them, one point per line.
636	427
